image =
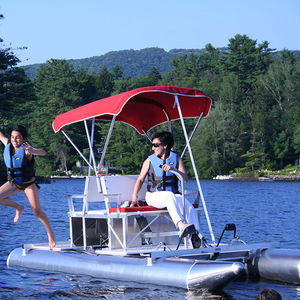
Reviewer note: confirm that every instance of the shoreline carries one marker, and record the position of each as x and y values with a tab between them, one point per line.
292	178
266	178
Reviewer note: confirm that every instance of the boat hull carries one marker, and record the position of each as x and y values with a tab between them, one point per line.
177	272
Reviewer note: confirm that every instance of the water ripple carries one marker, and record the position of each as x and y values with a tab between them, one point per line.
262	211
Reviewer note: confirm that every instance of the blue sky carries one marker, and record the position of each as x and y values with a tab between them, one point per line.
70	29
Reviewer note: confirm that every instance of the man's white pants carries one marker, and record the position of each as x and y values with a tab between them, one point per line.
174	204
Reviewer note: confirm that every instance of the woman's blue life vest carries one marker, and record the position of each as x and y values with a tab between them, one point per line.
19	168
158	180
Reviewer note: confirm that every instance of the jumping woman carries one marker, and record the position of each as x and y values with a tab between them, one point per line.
19	160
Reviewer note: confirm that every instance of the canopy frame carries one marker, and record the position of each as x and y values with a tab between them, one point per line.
92	161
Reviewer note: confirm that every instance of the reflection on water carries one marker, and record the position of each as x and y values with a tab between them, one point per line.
266	211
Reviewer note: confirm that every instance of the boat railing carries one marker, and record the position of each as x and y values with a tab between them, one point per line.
124	227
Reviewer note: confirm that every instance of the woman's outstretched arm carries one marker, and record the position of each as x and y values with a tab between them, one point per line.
3	138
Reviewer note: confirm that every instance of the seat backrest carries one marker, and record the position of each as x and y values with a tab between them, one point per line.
93	189
123	185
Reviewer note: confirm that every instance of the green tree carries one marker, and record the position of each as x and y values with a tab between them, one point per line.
7	61
86	85
117	72
279	82
210	60
127	149
296	136
280	99
246	59
16	94
282	146
180	69
122	85
154	77
104	84
197	71
255	157
230	91
217	143
57	92
7	57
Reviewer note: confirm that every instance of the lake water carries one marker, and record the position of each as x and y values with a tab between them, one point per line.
262	212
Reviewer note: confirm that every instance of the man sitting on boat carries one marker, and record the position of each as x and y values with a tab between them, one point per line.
162	188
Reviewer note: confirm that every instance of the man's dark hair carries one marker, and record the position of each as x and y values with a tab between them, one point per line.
268	294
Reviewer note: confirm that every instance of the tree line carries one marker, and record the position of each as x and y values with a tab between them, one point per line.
254	122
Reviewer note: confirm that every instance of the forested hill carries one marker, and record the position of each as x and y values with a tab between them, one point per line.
133	63
253	126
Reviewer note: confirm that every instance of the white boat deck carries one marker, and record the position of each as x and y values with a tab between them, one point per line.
223	252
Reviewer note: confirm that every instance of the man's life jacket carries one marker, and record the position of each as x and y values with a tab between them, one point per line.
158	180
19	168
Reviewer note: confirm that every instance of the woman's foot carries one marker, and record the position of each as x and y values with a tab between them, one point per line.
52	240
184	231
19	210
196	241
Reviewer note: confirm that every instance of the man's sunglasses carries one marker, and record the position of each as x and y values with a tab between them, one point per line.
155	145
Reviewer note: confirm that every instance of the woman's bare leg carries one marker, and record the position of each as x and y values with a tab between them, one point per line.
32	194
7	190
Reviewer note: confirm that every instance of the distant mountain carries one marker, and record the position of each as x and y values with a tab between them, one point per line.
134	63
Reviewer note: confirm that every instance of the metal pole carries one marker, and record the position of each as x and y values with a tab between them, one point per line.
169	122
91	146
69	139
93	156
92	142
191	137
107	141
147	135
195	169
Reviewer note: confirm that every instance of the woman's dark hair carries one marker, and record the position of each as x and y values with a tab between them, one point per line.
166	139
22	130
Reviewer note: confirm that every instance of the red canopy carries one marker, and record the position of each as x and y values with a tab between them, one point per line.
142	108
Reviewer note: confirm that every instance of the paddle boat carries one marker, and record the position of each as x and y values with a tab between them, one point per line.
109	239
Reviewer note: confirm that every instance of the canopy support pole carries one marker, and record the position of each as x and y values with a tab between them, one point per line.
92	142
147	135
90	146
169	122
195	169
107	141
192	135
75	147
